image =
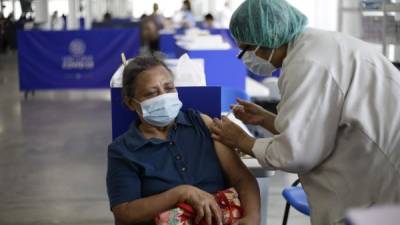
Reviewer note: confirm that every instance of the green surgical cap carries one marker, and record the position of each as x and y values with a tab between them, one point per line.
268	23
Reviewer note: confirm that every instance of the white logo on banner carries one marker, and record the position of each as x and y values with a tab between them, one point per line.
77	58
77	47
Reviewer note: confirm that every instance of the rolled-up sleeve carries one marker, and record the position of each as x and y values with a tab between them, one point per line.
123	182
307	121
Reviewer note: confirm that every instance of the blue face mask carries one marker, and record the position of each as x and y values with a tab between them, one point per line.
161	110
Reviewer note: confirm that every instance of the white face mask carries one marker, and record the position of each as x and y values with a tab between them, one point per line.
161	110
258	65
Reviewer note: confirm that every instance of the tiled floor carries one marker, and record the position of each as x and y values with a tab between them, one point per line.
53	157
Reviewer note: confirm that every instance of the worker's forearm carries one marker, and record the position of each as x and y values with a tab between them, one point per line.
145	209
269	122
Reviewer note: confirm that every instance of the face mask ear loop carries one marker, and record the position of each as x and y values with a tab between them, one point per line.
134	99
271	55
139	105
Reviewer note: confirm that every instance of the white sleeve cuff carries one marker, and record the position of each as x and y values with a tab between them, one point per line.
260	149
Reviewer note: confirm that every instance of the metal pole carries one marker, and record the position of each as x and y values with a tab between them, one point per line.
89	13
340	16
13	9
385	42
72	17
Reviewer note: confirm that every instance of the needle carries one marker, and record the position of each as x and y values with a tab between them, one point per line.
233	108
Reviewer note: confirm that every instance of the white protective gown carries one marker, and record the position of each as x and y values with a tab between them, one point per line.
339	124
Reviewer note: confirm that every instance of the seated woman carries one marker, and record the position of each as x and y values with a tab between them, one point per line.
168	156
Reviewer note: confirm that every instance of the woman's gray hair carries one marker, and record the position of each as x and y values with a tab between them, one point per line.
136	66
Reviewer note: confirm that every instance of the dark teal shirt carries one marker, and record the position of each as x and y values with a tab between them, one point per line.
140	167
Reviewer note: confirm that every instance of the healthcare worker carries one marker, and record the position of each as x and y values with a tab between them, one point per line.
338	122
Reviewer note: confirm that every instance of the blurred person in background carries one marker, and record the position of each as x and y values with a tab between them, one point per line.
64	21
107	17
150	31
157	17
149	35
225	15
208	22
188	20
185	18
2	32
56	22
10	32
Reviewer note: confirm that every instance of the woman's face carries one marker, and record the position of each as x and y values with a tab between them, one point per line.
151	83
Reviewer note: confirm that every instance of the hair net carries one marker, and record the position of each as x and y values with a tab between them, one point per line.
268	23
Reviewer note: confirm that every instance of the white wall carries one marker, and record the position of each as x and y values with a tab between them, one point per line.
12	6
41	11
321	14
167	7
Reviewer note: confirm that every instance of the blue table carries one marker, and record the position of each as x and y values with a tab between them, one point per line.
72	59
226	35
168	42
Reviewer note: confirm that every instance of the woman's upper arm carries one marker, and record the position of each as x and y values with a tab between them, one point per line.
123	182
231	163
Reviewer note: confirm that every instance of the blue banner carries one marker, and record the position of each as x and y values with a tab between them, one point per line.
73	59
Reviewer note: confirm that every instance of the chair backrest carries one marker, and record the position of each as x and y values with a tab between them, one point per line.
205	99
297	198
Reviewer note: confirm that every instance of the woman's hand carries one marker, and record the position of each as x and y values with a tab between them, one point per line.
248	112
247	221
231	135
203	203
